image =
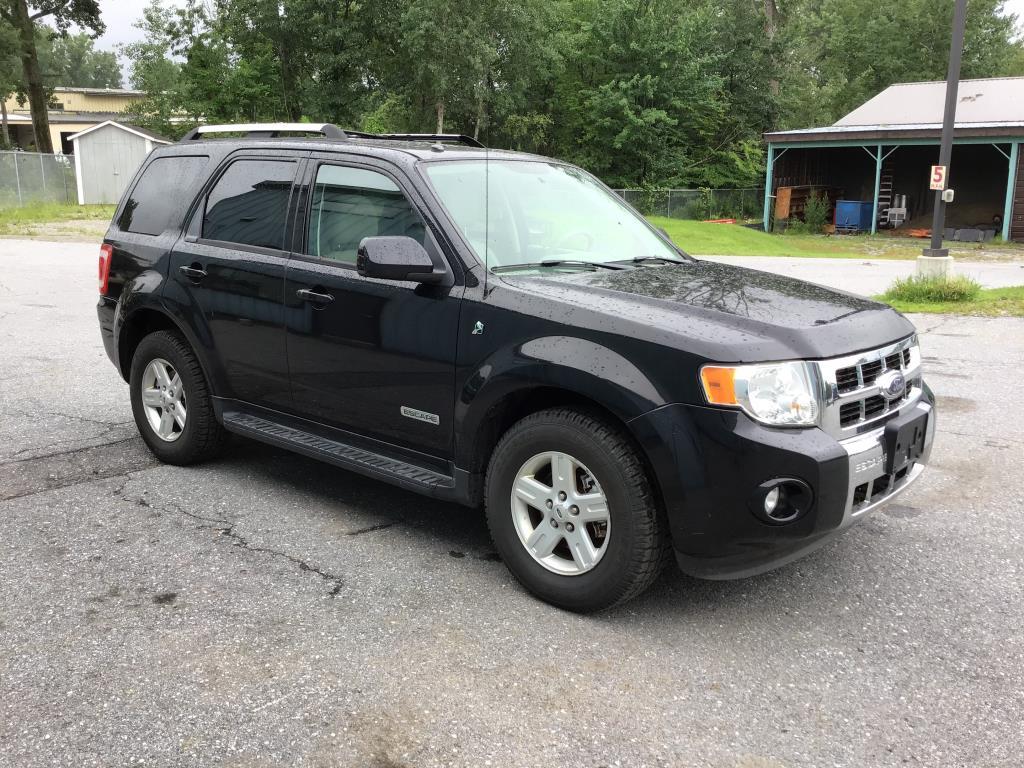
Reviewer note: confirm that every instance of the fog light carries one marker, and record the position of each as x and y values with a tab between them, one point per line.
781	500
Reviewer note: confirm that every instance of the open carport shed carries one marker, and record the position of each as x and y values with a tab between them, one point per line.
886	147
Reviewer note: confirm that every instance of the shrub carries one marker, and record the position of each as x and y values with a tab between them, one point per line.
816	213
924	290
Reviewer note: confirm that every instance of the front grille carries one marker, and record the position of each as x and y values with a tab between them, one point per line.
873	406
846	379
869	371
850	413
857	400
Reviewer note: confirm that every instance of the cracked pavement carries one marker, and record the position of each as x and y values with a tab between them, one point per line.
268	610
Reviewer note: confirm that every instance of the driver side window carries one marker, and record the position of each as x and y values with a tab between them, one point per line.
349	204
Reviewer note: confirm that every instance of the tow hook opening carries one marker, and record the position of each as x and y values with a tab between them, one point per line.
781	500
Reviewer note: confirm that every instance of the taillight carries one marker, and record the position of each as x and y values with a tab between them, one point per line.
106	256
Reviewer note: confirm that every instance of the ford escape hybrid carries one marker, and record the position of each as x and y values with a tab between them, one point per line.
500	330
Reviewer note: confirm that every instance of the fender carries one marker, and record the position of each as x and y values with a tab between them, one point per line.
142	293
568	363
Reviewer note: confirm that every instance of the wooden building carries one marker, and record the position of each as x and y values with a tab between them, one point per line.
882	152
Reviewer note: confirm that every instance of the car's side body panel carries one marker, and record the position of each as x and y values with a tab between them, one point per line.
378	356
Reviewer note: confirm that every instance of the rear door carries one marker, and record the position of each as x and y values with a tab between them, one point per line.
227	274
371	356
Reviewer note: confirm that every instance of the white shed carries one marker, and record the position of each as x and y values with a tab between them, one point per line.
107	156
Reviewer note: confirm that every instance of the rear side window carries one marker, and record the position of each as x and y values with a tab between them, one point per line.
160	197
352	203
249	203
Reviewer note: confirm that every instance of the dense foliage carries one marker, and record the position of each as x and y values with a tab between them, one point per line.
24	23
642	92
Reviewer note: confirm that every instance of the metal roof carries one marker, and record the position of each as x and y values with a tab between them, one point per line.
99	91
989	107
146	134
993	100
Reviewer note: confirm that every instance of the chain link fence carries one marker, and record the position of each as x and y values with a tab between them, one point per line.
30	177
697	204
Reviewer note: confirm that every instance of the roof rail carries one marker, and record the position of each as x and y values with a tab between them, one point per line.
449	138
266	130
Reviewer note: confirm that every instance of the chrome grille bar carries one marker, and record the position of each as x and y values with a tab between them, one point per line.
833	399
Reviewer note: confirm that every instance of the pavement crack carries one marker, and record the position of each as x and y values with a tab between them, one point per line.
227	528
238	540
73	416
60	486
931	329
369	529
12	459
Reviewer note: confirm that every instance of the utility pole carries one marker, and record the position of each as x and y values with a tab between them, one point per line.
936	261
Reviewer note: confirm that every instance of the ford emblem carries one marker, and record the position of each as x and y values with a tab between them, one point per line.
892	385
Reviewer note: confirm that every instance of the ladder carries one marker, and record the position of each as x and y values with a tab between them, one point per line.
885	193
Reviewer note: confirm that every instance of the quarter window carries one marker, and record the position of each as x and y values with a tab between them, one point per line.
167	186
352	203
249	203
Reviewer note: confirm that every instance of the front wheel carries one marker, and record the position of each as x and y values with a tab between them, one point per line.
572	511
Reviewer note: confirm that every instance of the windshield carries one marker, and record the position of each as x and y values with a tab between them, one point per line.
526	212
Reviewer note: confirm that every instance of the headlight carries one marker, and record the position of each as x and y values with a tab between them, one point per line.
780	394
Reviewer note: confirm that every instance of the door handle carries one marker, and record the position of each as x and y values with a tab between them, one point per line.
314	297
193	271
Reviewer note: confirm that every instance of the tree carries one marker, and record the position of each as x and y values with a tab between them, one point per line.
24	17
10	79
72	61
847	51
641	92
153	70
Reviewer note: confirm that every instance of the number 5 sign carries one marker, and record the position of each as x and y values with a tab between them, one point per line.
938	178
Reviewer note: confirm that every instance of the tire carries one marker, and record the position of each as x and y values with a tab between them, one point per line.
630	555
200	437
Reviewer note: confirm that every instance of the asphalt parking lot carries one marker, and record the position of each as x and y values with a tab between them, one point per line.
267	610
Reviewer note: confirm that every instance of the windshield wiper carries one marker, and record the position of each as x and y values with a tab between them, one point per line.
658	259
591	265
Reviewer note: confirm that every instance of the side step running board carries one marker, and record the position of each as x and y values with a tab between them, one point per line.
346	456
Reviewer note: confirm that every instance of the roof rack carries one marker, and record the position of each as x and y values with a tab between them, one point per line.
327	130
266	130
444	138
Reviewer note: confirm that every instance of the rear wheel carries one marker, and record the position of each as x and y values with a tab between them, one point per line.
171	401
572	511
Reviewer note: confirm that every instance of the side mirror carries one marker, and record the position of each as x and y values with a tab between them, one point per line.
397	258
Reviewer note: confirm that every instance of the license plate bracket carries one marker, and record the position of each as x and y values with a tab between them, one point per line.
904	440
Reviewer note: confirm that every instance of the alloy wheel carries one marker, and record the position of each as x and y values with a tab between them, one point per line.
163	399
560	513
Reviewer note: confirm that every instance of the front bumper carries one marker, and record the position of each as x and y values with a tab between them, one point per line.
709	464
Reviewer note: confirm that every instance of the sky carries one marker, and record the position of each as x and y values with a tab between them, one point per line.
121	15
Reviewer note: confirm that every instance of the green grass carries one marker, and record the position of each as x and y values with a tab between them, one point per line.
702	239
24	219
932	290
991	302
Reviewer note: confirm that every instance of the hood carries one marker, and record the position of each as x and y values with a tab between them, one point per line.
763	316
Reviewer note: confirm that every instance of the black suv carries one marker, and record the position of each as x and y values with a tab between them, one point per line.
500	329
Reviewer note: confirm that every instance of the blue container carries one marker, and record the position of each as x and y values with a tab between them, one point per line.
853	215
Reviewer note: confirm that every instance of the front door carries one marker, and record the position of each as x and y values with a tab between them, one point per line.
227	277
376	357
